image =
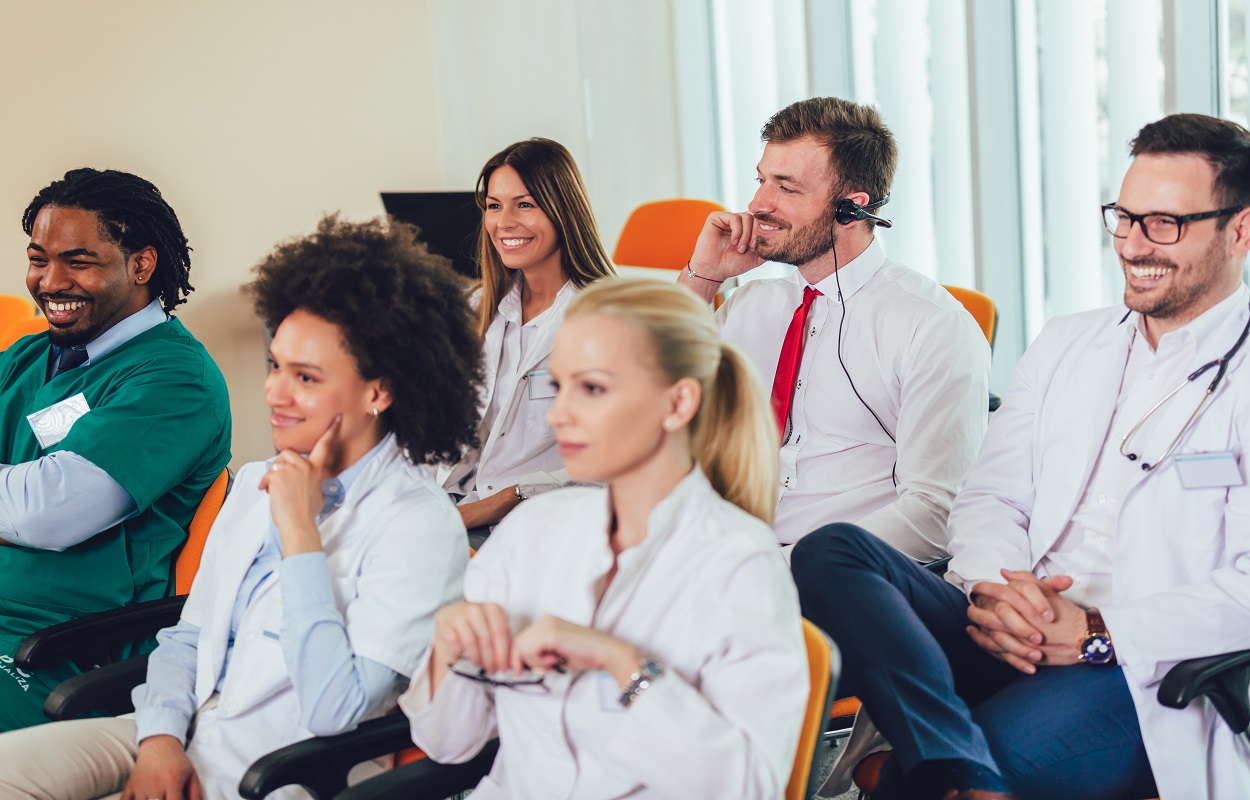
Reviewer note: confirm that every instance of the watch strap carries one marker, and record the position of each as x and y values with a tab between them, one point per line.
648	671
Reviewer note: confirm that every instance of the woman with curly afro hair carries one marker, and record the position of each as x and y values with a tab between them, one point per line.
316	594
539	246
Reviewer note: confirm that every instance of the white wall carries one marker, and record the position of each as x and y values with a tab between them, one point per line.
253	119
595	75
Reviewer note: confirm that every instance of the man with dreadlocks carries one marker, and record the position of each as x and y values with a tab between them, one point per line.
113	424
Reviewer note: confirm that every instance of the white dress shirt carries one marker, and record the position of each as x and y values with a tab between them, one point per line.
517	444
918	360
706	594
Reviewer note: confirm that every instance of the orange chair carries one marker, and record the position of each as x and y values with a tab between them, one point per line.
19	328
823	666
662	234
15	307
981	307
188	562
93	641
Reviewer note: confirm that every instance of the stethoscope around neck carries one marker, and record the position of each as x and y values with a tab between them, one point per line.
1220	365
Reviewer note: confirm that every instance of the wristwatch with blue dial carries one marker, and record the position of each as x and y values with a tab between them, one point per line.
1097	648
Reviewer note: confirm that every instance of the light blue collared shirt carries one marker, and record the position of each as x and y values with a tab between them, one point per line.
336	687
62	499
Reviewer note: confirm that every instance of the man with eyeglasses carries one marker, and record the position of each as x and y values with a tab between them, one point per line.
1102	536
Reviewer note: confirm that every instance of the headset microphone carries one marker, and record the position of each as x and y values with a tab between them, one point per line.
848	211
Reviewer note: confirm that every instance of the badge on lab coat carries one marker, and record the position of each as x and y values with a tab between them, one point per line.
1208	470
52	424
540	385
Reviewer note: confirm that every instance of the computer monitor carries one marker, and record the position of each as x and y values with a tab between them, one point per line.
449	223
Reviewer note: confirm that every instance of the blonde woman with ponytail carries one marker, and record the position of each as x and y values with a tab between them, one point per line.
643	639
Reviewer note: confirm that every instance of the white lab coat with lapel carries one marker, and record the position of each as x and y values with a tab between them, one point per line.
396	552
520	446
1181	577
707	594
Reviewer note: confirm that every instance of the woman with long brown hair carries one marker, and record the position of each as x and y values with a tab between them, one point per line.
539	245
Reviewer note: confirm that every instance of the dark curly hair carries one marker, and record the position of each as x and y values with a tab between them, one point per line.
133	215
404	319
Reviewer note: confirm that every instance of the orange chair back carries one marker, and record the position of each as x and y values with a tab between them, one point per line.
14	308
822	668
981	307
197	534
23	327
661	235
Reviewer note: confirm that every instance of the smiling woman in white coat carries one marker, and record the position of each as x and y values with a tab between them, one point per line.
539	245
315	597
641	640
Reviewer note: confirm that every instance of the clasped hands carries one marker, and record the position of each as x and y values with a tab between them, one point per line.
1026	621
479	632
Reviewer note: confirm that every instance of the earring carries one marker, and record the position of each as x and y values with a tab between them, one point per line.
375	412
669	424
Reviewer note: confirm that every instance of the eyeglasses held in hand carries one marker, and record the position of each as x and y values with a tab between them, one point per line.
529	683
1158	228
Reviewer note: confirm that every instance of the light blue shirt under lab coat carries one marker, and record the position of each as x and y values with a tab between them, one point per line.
337	688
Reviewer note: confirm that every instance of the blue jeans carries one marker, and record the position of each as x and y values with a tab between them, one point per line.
1066	732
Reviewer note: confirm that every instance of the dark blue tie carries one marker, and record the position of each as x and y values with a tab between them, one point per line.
70	358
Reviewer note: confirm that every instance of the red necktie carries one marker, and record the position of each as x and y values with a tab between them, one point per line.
791	356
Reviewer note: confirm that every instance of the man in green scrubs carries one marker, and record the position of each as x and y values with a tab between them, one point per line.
113	424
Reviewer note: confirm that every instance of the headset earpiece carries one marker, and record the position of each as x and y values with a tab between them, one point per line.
848	211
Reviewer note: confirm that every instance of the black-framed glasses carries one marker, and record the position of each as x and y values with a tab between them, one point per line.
1158	228
531	683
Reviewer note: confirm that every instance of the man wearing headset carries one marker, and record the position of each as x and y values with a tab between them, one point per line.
1102	536
879	377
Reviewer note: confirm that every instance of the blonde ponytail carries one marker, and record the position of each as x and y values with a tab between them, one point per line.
733	435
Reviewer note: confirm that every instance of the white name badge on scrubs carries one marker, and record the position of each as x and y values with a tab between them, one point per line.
540	385
52	424
1208	470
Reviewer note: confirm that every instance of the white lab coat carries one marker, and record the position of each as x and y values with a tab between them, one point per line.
396	552
520	447
707	595
1181	576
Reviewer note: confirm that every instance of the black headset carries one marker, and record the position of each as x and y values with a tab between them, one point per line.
844	213
848	211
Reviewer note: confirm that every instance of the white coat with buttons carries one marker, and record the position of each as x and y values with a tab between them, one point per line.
396	552
520	447
1181	571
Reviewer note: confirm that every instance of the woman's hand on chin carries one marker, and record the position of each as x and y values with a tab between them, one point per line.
162	770
294	485
550	642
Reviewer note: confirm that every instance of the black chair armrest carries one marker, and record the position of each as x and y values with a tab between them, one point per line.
105	689
92	640
425	779
1223	678
321	764
938	567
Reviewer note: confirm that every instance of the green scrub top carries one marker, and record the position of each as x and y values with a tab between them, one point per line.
159	425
